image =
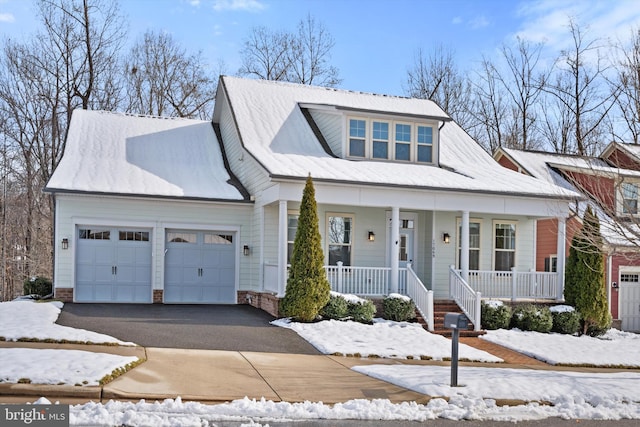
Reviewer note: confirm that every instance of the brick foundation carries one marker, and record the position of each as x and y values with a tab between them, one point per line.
64	294
264	301
157	296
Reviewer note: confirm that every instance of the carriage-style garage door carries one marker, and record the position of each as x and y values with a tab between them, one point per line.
113	265
629	301
200	267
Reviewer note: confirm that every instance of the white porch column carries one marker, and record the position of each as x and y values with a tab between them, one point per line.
464	246
561	256
282	246
395	248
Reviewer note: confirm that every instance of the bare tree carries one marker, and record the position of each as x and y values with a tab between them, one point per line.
70	63
627	79
581	89
301	57
437	77
524	84
163	79
310	53
491	110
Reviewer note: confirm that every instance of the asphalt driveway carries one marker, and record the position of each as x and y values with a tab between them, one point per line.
207	327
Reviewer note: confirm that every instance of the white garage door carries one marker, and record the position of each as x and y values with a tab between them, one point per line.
113	265
629	301
200	267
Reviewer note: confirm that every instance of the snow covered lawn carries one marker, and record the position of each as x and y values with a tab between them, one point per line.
388	339
31	320
614	349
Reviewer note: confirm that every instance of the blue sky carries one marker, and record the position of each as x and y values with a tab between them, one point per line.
376	40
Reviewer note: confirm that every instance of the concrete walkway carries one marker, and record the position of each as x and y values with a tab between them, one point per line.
214	376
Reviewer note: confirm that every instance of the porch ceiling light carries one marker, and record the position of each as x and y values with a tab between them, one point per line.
65	243
446	238
371	236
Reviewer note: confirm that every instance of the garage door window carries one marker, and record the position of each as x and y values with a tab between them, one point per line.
633	278
217	239
134	236
93	234
174	237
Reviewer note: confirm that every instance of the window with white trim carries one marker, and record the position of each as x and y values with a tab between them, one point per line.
340	238
551	264
380	139
629	198
504	247
474	244
292	229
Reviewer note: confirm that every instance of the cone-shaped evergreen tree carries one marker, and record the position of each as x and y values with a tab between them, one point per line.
584	284
307	286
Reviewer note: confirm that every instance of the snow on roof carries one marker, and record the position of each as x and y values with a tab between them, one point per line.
274	130
633	149
142	155
540	164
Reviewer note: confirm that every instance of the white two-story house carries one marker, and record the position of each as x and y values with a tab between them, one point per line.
183	211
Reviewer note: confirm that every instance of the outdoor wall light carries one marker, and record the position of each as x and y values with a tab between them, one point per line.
371	236
446	238
65	243
245	250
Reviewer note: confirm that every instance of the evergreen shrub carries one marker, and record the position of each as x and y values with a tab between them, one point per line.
361	311
40	286
495	315
565	320
337	307
398	308
529	317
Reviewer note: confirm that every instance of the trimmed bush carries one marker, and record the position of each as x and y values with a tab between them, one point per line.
337	308
361	311
565	320
495	315
398	308
529	317
40	286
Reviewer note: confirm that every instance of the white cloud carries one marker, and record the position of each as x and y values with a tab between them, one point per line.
456	20
242	5
7	17
479	22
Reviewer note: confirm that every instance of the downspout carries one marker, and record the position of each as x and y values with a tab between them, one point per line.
439	131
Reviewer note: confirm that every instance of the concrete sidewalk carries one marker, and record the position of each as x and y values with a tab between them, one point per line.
215	376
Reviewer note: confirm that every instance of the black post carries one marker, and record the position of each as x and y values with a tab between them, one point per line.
454	358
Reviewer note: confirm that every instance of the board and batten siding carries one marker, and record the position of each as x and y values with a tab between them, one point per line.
155	215
330	124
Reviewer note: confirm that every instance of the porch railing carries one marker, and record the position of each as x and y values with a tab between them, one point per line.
366	281
514	284
465	296
421	296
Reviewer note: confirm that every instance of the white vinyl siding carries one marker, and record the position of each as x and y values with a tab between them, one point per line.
155	215
330	126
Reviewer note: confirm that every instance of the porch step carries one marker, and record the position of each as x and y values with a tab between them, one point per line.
440	308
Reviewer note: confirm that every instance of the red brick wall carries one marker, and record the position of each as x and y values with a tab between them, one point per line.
64	294
264	301
157	296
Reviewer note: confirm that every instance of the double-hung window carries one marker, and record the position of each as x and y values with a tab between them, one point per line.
425	144
474	244
403	141
357	137
380	135
629	198
292	229
504	246
339	238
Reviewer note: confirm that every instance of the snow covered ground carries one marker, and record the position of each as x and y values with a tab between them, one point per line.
551	393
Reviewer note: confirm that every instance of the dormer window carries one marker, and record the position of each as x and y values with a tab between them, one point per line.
377	139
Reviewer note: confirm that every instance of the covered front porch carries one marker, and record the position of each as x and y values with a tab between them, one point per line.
418	244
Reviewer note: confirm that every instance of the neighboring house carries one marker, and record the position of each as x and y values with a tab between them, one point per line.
609	184
184	211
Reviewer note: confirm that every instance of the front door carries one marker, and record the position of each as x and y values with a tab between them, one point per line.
407	230
406	247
